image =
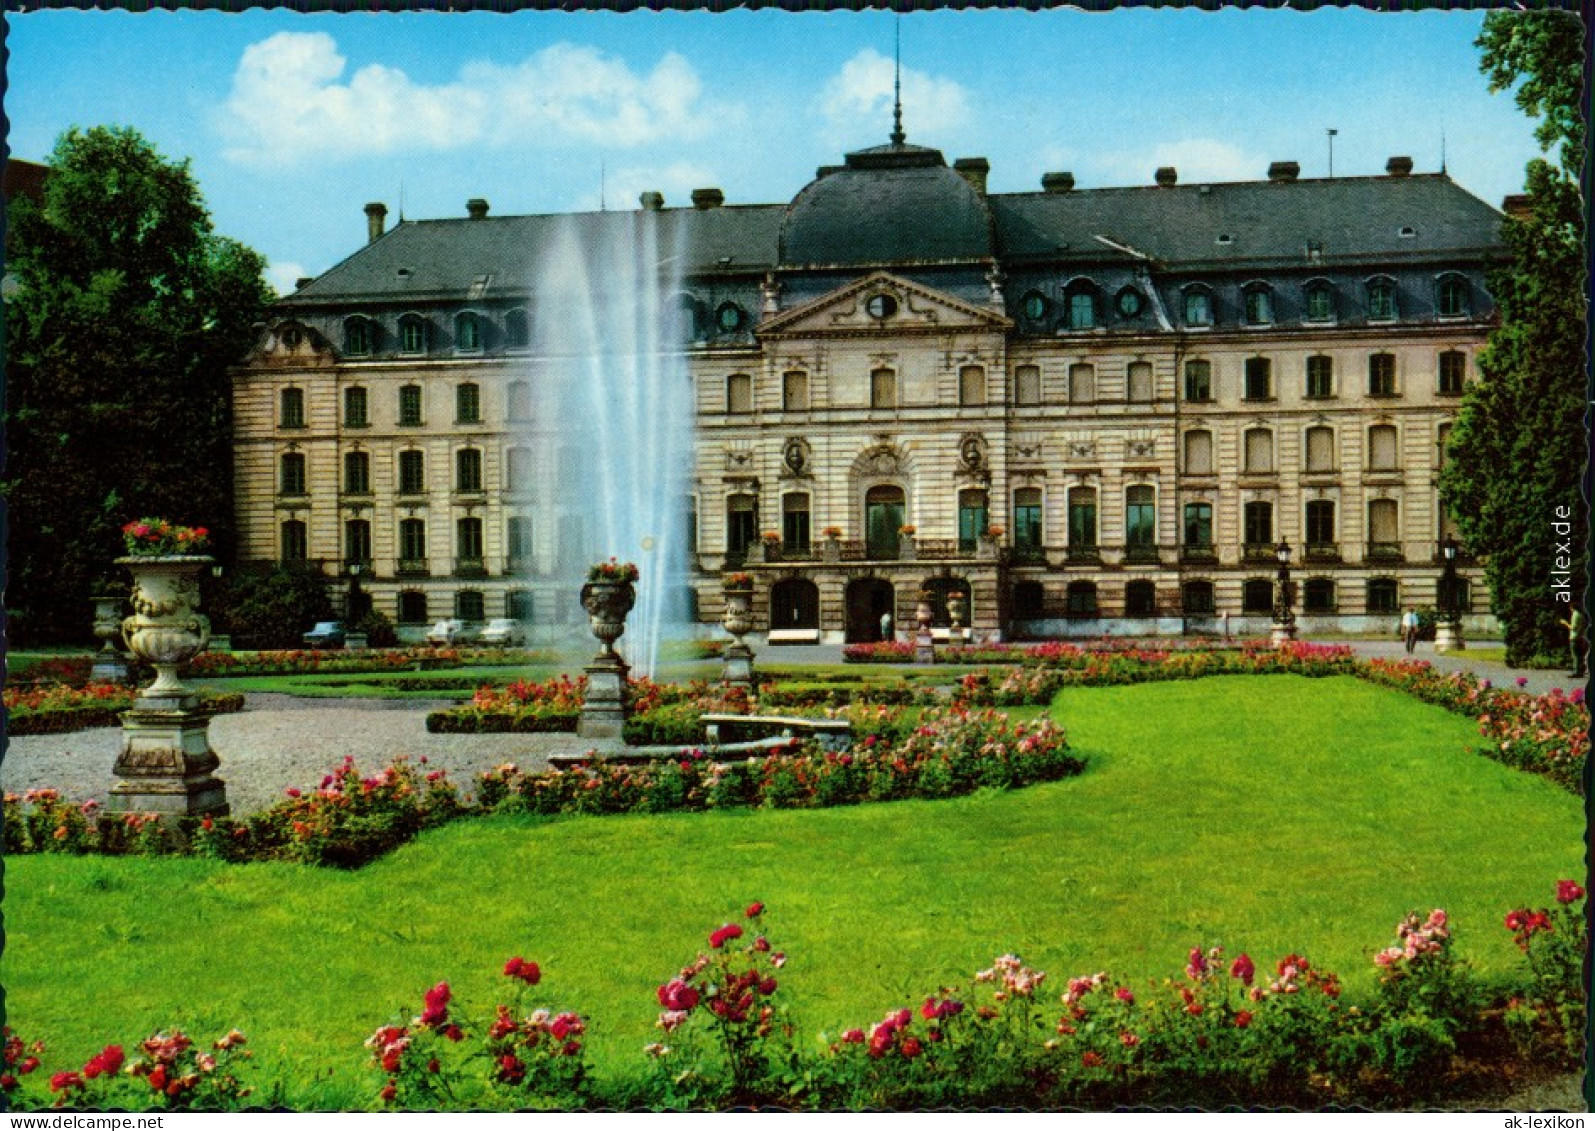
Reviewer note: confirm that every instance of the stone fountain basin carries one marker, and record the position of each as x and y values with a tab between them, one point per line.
729	738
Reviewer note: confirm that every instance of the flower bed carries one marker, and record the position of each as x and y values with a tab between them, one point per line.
310	661
1050	652
57	709
1226	1031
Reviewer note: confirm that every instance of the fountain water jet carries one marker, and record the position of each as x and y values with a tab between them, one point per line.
613	401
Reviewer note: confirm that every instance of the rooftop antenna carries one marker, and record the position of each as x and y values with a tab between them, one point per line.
1331	134
601	205
898	136
401	200
1442	148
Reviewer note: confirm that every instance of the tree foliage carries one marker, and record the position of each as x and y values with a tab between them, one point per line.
1518	450
272	605
126	313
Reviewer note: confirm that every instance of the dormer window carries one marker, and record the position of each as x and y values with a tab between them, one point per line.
1320	302
1381	300
357	336
1198	307
516	334
1082	306
468	332
1035	306
1453	298
729	317
412	334
1259	305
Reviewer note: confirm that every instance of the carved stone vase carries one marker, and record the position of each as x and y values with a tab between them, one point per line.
737	619
109	664
924	642
604	708
607	603
166	764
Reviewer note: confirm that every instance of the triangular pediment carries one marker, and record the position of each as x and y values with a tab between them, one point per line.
858	308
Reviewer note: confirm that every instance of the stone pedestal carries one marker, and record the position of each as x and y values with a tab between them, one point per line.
166	764
1281	632
924	648
830	551
1448	637
603	714
737	669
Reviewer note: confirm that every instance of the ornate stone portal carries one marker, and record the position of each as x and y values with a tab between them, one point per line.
166	764
604	707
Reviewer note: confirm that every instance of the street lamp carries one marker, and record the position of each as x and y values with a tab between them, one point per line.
1283	629
352	612
1448	625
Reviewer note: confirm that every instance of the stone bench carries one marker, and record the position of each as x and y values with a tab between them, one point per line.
833	734
793	636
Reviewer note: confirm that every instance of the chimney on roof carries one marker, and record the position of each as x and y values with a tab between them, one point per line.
476	208
1057	182
376	220
1167	176
1399	166
974	170
1518	206
1284	171
703	198
652	201
302	282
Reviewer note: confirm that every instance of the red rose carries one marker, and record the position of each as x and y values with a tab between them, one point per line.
1243	1019
911	1048
853	1037
719	938
767	987
387	1093
61	1081
158	1078
433	1065
754	910
1243	969
527	972
107	1061
1091	1060
437	1006
1567	891
929	1011
678	995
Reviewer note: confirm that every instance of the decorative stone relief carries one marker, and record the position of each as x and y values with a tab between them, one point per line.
795	458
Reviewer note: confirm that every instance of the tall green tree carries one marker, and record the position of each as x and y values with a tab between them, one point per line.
1519	447
127	310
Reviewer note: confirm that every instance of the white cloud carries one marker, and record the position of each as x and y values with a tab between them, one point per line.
289	105
1196	159
861	93
622	187
283	276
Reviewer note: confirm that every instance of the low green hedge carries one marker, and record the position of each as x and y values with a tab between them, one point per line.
530	720
63	720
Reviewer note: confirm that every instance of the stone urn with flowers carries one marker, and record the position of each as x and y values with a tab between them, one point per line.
608	596
737	619
924	616
166	762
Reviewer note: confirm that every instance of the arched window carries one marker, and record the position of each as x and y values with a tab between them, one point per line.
1320	448
356	473
1383	595
1259	451
292	481
1381	375
1027	520
1381	300
1196	598
1453	297
1082	383
468	543
468	469
412	607
1382	447
1140	519
468	403
469	606
971	386
519	402
468	332
1453	372
293	408
356	407
1198	306
412	545
517	332
973	519
883	520
1081	599
739	393
357	541
1027	385
1199	452
412	334
1259	528
295	541
1320	526
1257	595
1081	301
1259	299
794	604
1318	595
1320	299
357	336
412	472
1140	599
1139	382
518	469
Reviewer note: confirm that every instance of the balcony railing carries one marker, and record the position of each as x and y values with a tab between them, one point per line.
412	567
1141	552
1198	553
1321	552
1384	552
1259	552
1087	555
940	549
1028	555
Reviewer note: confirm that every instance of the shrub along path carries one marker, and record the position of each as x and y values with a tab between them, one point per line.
1268	814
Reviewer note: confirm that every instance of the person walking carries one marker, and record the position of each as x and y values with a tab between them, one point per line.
1575	641
1409	629
886	626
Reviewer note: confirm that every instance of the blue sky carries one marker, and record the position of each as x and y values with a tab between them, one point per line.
293	122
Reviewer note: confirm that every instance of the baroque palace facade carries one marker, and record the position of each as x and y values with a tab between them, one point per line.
1063	413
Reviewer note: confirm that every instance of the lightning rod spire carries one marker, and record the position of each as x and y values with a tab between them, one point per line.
898	136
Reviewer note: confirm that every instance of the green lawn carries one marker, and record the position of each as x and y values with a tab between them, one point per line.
1266	814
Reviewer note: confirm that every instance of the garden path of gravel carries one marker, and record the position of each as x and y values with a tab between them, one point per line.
279	741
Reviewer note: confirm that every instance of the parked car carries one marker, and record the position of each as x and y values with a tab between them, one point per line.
503	633
448	632
326	634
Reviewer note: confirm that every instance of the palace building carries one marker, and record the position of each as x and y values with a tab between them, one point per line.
1066	412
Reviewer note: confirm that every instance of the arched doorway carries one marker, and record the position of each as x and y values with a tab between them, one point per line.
795	603
868	599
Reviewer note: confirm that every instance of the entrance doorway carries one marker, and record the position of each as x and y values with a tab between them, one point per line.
868	599
794	603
